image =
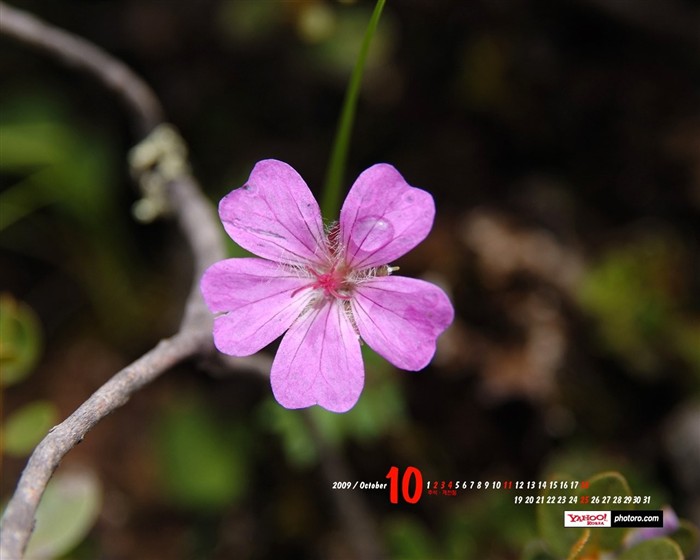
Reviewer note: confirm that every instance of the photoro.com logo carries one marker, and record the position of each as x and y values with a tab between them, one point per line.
614	518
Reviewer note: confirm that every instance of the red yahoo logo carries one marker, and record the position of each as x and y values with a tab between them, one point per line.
576	518
586	518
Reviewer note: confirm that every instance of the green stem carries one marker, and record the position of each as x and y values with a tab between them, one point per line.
330	200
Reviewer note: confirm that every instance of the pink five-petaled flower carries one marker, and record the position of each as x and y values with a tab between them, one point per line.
325	288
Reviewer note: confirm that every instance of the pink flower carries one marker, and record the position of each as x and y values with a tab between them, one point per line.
325	288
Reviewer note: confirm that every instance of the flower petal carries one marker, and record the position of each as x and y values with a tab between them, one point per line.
319	362
383	217
401	318
274	215
261	299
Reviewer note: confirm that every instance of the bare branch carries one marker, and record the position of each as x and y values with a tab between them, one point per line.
142	103
18	520
200	228
198	223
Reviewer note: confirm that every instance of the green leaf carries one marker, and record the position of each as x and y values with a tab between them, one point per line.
20	343
608	484
69	167
28	148
29	145
24	198
687	342
24	429
485	517
550	520
381	408
537	550
249	22
289	425
67	511
59	166
335	37
203	462
551	516
687	537
633	292
408	540
655	549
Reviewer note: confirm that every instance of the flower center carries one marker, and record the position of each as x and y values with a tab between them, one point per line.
332	283
335	278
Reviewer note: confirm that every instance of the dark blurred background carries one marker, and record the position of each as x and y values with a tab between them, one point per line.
561	141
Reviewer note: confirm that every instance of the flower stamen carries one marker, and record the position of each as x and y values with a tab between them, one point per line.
330	282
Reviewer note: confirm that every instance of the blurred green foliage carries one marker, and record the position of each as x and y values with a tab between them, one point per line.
474	108
380	412
330	35
57	164
655	549
558	541
486	524
562	539
20	340
582	462
638	294
408	539
249	22
67	511
26	427
203	462
687	537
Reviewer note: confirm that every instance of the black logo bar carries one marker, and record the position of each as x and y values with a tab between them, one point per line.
637	518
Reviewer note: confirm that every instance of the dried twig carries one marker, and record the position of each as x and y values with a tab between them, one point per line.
75	51
18	520
199	226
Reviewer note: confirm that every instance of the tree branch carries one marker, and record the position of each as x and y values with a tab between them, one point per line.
142	103
18	520
198	222
199	225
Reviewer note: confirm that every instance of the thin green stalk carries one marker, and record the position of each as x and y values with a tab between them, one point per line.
330	199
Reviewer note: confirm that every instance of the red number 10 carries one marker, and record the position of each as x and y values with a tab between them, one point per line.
393	476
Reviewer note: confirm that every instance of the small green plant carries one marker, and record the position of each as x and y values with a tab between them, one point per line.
676	540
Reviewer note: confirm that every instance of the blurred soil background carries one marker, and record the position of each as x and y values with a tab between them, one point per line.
561	141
